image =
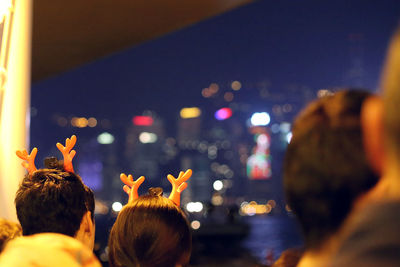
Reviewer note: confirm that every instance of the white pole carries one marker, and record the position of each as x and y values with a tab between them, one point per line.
14	103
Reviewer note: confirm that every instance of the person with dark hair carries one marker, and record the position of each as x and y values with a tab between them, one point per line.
326	170
54	199
151	230
373	233
8	231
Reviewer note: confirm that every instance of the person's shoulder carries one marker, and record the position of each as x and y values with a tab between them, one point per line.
372	237
47	249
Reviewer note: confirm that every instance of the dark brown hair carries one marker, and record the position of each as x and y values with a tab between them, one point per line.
325	166
53	200
150	231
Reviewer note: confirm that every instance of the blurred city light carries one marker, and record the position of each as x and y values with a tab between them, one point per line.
285	127
223	114
206	93
82	122
218	185
252	208
142	120
100	207
217	199
287	208
188	113
213	88
275	128
61	121
228	96
236	85
289	136
74	121
324	93
287	108
260	119
147	138
105	138
195	225
116	206
272	203
194	206
92	122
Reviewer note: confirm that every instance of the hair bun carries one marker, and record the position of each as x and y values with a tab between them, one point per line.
155	191
53	163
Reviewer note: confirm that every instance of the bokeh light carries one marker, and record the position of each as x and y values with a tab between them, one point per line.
223	114
260	119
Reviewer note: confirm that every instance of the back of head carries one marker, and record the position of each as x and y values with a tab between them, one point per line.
150	231
325	166
52	200
8	230
391	91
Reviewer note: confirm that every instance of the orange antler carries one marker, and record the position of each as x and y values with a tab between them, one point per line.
68	154
178	185
131	187
29	160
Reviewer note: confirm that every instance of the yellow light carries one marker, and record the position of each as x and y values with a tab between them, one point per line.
187	113
82	122
5	6
236	85
261	209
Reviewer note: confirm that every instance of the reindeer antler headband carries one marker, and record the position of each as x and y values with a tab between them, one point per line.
68	154
178	185
29	159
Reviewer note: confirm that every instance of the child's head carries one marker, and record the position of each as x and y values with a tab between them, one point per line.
150	231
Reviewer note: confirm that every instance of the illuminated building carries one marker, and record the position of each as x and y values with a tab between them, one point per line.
143	147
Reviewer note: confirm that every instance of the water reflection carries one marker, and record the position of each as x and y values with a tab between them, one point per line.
271	235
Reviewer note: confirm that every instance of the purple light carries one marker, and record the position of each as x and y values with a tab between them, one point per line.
223	114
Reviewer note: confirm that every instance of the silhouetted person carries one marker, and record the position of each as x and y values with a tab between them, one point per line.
373	233
326	170
57	201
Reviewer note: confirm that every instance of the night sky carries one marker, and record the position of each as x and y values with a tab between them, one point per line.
306	43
